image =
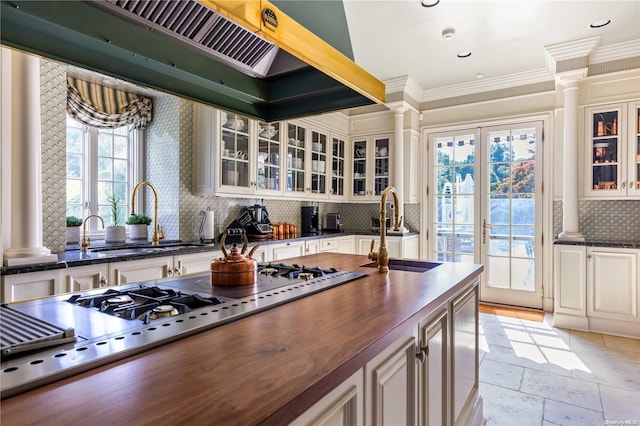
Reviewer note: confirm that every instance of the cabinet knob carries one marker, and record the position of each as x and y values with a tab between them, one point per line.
630	184
169	272
624	184
176	271
588	257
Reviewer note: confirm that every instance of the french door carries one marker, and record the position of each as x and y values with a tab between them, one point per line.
487	207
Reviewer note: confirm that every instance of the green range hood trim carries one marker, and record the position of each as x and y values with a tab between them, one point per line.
90	37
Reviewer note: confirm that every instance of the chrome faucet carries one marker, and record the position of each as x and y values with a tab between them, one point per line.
382	255
158	232
85	240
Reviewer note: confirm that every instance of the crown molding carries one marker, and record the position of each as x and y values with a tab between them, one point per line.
614	52
569	50
403	84
487	85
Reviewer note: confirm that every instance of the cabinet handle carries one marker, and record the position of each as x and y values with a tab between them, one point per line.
484	231
588	257
169	272
630	184
624	184
422	353
103	282
176	271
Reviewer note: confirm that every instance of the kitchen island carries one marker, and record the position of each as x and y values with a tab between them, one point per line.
272	367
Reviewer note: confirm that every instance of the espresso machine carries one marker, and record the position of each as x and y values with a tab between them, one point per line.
309	220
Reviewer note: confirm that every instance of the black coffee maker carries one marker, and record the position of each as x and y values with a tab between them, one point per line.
309	220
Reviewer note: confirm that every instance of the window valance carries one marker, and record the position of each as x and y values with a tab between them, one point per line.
106	107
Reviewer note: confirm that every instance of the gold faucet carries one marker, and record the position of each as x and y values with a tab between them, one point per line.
382	255
158	233
85	240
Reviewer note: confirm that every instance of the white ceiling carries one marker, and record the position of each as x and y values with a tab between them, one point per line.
396	38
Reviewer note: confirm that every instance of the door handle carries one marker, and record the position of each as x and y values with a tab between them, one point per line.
484	231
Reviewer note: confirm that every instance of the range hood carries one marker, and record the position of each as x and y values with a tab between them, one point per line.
246	57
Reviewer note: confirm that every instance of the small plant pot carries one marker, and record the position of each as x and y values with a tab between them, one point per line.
115	234
73	235
139	231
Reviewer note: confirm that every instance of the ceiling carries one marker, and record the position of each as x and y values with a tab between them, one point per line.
392	39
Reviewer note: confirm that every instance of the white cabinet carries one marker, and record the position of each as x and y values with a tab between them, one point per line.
82	278
297	148
597	289
391	380
612	151
346	245
371	167
286	250
319	164
132	271
343	406
398	246
339	188
312	246
194	263
613	283
30	286
433	353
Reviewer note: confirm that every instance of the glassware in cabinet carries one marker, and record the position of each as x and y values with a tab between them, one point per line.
381	163
359	182
235	152
338	167
319	151
268	166
605	146
296	153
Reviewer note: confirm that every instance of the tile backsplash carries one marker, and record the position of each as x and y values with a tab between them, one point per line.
604	220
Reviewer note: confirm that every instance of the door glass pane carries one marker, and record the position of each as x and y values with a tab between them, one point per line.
455	200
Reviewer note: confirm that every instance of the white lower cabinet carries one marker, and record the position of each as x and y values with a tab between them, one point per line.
429	377
613	283
282	251
397	246
312	246
30	286
82	278
194	263
131	271
261	254
391	385
343	406
597	289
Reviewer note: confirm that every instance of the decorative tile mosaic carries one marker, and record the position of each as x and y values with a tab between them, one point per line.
604	220
53	98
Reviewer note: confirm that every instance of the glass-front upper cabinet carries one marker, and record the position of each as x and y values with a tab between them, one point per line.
338	163
613	145
319	162
235	152
268	167
296	157
371	167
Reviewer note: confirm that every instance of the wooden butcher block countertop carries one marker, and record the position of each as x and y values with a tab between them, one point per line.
267	368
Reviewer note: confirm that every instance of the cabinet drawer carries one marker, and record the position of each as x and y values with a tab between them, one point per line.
329	244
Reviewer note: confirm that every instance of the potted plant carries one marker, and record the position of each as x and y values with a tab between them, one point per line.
139	226
116	233
73	229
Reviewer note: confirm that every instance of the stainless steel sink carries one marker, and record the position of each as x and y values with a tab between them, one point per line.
406	265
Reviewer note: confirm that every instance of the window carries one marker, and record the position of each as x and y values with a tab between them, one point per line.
101	163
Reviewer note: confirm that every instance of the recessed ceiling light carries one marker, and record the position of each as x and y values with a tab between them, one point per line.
479	76
448	32
601	23
464	54
429	3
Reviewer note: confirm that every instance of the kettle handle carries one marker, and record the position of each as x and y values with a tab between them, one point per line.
245	243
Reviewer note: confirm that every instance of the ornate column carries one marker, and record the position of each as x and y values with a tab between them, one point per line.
570	189
21	141
398	155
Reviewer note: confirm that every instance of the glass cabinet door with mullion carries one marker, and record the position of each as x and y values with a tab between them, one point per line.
634	152
268	166
319	151
381	165
359	180
604	153
296	155
338	164
235	151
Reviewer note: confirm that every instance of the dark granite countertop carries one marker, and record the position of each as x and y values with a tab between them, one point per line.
74	257
611	244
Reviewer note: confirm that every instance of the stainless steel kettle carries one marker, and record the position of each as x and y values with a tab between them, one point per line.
207	226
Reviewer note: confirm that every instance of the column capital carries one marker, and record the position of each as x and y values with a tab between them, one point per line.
399	107
571	78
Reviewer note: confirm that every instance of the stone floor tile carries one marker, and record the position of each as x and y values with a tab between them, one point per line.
501	374
504	406
610	369
525	355
620	404
563	389
569	415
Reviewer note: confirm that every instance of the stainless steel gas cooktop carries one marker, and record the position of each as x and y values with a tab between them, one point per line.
101	326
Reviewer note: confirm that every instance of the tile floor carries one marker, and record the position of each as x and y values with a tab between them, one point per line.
534	374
